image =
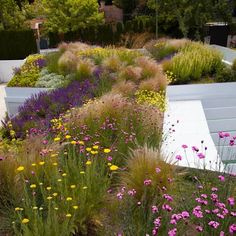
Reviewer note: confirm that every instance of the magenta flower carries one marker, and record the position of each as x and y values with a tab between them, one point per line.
226	135
221	178
231	142
166	207
214	189
233	213
176	217
222	233
173	222
154	209
185	214
199	228
184	146
231	201
178	157
109	158
214	224
197	211
220	216
157	222
158	170
221	135
168	197
132	192
119	196
147	182
201	155
195	149
232	229
172	232
204	196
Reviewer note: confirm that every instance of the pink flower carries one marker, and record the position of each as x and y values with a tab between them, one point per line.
132	192
232	229
214	189
184	146
176	217
172	232
220	216
185	214
195	149
154	209
201	155
221	178
226	135
158	170
214	224
157	222
166	207
168	197
199	228
231	201
109	158
222	233
119	196
178	157
204	196
197	211
173	222
231	142
221	135
233	213
147	182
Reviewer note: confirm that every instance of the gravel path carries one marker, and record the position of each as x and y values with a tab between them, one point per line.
2	102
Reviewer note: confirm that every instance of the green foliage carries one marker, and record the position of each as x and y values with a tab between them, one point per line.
225	74
194	61
71	15
11	18
17	44
234	65
52	61
28	74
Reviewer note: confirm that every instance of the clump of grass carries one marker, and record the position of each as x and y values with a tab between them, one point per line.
67	63
133	73
112	63
84	69
125	88
194	61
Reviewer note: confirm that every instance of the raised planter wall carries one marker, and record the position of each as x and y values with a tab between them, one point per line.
15	97
6	69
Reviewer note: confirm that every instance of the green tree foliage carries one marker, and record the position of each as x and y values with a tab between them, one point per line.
71	15
191	15
11	17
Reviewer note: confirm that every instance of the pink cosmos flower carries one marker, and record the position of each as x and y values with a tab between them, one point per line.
232	229
185	214
197	211
178	157
147	182
214	224
231	201
199	228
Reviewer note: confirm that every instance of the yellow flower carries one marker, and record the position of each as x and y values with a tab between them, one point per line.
35	208
49	198
85	187
75	207
114	167
73	142
64	174
88	163
54	155
33	186
82	172
25	221
65	153
40	208
107	150
41	184
94	152
20	168
54	164
49	188
56	208
72	186
57	139
33	164
69	199
55	194
18	209
41	163
68	137
59	180
95	147
68	215
81	142
88	149
109	164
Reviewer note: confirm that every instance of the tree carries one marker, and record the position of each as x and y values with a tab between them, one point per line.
71	15
191	15
11	17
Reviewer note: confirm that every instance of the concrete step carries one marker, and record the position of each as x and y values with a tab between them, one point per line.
218	102
220	113
222	125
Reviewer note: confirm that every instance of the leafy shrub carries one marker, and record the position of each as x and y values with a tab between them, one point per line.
194	61
52	61
84	69
28	74
234	65
51	80
225	74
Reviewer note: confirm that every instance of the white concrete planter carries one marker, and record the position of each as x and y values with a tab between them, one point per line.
16	96
6	69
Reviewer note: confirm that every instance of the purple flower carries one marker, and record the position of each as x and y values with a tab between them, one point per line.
168	197
154	209
231	201
199	228
201	155
172	232
132	192
178	157
231	142
147	182
119	196
185	214
214	224
197	211
166	207
232	229
221	178
184	146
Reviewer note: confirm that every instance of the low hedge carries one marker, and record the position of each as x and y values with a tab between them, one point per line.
17	44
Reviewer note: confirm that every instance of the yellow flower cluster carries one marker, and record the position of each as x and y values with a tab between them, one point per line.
157	99
170	77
